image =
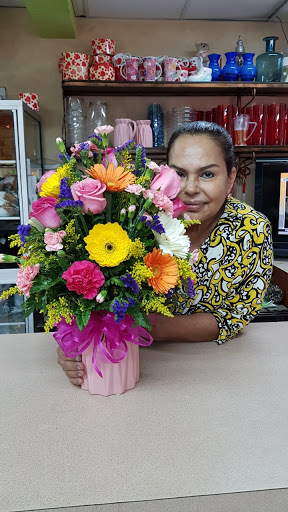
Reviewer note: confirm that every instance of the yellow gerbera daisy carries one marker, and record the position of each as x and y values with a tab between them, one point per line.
51	187
108	244
116	179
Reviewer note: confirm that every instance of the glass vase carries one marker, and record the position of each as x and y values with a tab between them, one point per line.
231	69
248	70
214	65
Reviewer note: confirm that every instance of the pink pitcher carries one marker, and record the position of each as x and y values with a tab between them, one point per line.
144	135
124	130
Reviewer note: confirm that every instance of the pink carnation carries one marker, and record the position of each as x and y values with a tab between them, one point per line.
104	130
75	150
148	194
25	278
85	278
53	240
163	202
194	257
134	189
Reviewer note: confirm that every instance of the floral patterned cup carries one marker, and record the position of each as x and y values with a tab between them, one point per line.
150	68
131	65
171	73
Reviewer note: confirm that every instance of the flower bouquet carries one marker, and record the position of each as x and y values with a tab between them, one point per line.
102	251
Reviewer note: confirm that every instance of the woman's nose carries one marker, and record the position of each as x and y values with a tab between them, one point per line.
192	186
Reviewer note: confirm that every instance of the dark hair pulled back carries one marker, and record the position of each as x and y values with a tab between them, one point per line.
215	132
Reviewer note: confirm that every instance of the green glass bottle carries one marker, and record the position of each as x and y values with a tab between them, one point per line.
269	64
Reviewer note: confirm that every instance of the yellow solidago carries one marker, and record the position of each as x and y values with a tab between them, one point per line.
156	304
72	237
15	240
189	222
36	257
185	269
141	273
51	187
141	180
137	249
57	310
8	293
127	161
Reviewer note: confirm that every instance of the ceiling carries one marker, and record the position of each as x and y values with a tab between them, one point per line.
259	10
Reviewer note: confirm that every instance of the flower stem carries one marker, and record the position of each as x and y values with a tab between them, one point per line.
86	230
108	210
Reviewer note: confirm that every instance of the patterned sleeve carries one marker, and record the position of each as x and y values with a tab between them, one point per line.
247	290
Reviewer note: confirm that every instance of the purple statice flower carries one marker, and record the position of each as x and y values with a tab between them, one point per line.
84	146
132	302
95	136
190	288
62	157
154	224
124	146
170	293
68	204
120	310
23	231
130	282
65	191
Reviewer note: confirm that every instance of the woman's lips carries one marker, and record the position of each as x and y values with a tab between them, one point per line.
194	207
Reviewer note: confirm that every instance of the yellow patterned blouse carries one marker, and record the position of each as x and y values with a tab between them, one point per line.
233	271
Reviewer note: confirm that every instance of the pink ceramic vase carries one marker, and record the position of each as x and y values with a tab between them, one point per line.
144	134
117	378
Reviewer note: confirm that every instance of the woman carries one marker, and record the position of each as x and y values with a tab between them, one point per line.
234	241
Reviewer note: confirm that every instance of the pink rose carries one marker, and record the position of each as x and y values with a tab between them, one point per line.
53	240
90	192
44	211
178	207
25	278
168	181
85	278
43	179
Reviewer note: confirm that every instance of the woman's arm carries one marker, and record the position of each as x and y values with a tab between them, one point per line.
196	327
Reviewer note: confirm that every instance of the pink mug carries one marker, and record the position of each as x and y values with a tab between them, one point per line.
131	65
118	76
171	73
150	68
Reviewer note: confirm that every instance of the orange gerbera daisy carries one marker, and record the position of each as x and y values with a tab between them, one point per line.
116	179
164	268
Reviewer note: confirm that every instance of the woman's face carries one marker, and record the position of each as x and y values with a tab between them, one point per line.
204	179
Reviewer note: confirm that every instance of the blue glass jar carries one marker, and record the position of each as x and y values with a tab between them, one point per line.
156	116
214	65
248	70
231	69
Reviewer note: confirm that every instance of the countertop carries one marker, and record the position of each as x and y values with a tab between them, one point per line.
205	426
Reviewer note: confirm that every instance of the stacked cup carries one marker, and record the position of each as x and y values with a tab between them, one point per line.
74	66
102	67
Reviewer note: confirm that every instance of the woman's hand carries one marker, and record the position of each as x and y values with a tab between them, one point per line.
74	368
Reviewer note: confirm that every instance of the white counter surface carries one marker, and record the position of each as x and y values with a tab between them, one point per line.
203	420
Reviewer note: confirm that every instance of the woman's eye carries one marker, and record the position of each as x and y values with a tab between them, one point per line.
207	175
180	174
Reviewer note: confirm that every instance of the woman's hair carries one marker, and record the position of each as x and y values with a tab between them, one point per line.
215	132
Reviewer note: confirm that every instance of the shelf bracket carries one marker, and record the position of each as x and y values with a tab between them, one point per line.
254	92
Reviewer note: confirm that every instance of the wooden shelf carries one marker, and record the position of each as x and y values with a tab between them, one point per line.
92	87
238	150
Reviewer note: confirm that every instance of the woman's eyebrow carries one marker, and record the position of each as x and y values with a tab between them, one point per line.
204	168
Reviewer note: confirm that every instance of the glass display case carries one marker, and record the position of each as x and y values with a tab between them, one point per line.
21	167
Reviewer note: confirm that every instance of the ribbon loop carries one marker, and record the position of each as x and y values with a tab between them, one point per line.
101	326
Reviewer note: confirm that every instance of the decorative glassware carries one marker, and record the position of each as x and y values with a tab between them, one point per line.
156	116
231	69
269	64
214	65
248	70
240	50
